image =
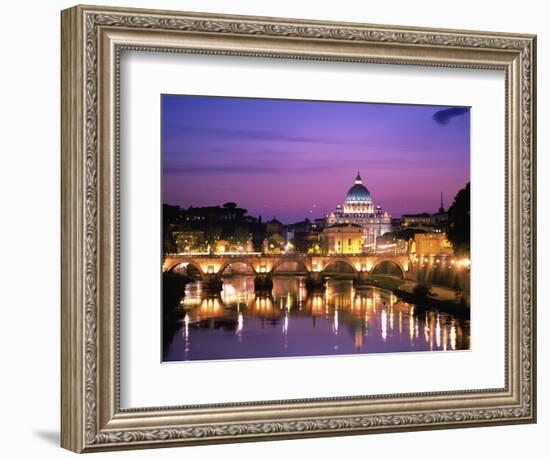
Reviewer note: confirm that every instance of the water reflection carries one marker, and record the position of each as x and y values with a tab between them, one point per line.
291	322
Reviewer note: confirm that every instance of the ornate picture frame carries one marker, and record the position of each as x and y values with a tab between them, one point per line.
92	41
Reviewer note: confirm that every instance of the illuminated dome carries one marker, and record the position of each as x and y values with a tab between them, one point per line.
358	209
358	193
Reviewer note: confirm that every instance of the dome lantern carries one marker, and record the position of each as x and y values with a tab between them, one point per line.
358	194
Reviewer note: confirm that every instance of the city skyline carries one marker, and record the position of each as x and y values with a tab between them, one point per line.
296	159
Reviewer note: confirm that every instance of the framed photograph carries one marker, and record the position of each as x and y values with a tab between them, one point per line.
278	228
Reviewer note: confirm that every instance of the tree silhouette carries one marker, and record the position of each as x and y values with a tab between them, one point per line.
459	221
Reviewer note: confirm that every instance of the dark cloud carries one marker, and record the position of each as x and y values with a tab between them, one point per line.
444	116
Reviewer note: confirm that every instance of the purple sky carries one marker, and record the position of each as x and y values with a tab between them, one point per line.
295	159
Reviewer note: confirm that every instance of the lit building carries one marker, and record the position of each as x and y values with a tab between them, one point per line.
418	220
274	244
189	240
343	238
228	246
359	209
433	243
305	235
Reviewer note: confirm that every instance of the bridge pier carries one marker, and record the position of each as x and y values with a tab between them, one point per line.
263	283
213	284
361	280
315	281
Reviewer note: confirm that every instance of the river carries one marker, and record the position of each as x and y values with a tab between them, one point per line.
342	320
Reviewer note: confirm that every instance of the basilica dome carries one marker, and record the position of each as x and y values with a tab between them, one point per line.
359	209
358	193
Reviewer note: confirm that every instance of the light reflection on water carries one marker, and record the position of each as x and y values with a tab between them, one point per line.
292	322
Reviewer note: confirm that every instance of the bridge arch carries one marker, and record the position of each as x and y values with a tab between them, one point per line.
391	261
339	260
236	261
176	262
297	261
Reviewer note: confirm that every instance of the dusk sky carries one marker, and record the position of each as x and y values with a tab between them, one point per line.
296	159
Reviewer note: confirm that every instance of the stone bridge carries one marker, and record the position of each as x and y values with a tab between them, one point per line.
212	267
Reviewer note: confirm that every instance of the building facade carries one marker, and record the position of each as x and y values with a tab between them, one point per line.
343	238
435	244
418	220
359	209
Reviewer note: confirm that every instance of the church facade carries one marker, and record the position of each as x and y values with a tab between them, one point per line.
359	209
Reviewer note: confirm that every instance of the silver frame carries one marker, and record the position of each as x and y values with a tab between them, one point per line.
92	40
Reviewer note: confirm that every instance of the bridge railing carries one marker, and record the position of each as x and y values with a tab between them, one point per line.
282	255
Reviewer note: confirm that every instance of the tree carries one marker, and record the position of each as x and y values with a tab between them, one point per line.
212	234
402	234
459	221
408	233
169	244
241	234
